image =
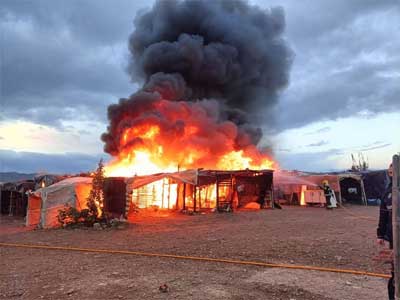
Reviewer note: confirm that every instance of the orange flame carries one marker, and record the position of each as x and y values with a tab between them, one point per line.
185	137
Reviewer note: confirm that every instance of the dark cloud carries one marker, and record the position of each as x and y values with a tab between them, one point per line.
311	161
317	144
96	22
373	144
379	146
346	61
362	90
31	162
320	130
65	60
311	20
62	59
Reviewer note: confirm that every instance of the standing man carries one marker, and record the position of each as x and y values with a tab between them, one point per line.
329	195
384	230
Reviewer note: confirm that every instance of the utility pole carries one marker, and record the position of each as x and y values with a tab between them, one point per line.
396	222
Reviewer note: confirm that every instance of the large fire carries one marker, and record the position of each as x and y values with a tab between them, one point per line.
206	85
185	137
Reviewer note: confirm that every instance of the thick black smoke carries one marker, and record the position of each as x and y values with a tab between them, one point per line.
192	50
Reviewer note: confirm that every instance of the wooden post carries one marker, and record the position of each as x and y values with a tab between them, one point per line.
199	190
1	203
396	222
231	192
340	191
195	190
10	208
184	196
217	193
363	195
194	197
153	195
273	195
169	192
128	198
162	193
207	197
177	205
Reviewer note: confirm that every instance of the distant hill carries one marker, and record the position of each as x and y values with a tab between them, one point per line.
15	176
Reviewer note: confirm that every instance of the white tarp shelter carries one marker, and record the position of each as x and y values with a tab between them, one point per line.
44	203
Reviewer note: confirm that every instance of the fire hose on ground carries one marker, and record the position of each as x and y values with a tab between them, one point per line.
198	258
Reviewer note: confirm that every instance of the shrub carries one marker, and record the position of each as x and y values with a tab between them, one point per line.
69	216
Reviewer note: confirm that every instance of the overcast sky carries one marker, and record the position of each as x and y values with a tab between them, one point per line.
64	62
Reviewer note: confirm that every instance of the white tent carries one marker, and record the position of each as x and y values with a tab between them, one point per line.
44	203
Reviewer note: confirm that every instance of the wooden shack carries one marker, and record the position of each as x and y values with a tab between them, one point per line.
13	197
200	190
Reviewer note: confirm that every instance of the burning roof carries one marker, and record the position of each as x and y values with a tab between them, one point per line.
193	177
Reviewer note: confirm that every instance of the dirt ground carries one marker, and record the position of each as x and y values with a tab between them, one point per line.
342	238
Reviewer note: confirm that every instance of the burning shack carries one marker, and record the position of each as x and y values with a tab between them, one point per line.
200	190
203	98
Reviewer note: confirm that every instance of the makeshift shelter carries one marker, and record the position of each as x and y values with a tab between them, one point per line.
348	187
352	189
200	190
375	183
114	196
44	203
13	198
43	180
290	187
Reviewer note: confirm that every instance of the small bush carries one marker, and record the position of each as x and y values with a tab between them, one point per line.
69	216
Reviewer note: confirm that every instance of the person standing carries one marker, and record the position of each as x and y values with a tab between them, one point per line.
329	195
384	231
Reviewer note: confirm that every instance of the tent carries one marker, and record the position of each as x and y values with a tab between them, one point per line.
44	203
348	187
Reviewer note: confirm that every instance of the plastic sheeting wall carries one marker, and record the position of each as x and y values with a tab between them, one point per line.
47	201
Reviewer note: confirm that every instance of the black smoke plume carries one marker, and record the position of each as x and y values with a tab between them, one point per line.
228	51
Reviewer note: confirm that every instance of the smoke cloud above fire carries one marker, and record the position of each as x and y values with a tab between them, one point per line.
207	69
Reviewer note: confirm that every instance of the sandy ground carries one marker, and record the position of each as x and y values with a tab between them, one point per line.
302	236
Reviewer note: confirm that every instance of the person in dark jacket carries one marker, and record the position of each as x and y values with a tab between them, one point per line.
384	231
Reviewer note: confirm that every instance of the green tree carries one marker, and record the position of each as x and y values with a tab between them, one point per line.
95	199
